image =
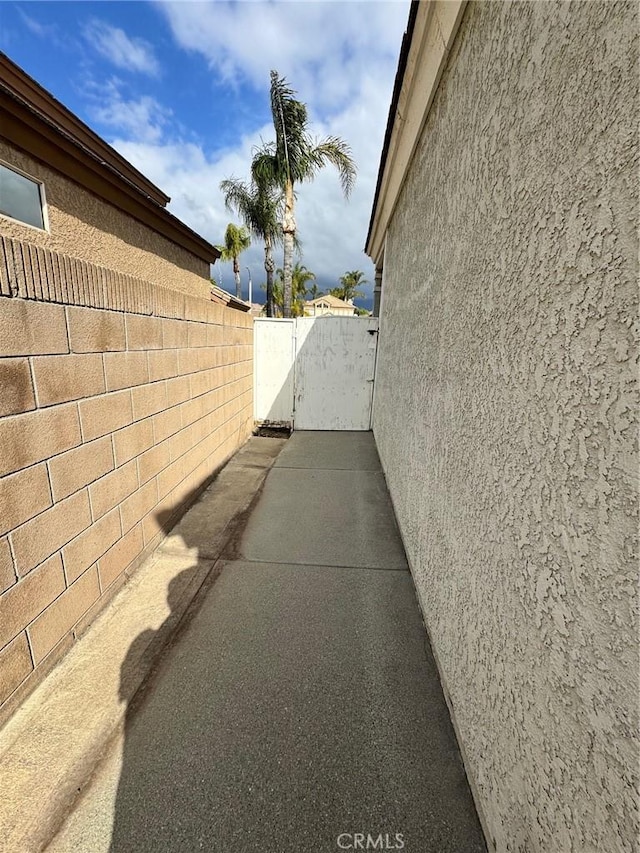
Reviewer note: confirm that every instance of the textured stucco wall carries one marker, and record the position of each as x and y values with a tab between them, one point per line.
86	227
505	412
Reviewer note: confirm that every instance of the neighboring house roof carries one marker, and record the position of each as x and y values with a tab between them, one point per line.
33	120
224	298
331	301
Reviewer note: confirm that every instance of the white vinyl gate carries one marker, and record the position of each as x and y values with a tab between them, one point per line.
315	372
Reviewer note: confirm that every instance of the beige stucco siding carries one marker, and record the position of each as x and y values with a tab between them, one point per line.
86	227
505	412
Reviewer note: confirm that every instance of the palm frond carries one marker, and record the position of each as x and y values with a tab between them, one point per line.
236	240
258	204
337	152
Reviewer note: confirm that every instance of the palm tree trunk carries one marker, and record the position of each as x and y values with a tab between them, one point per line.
288	233
269	266
236	275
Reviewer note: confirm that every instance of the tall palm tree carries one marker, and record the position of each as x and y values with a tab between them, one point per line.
349	284
236	240
295	157
300	275
258	206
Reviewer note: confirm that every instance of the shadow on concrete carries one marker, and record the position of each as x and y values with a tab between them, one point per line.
145	656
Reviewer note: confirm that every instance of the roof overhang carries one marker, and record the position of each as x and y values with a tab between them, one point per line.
431	30
32	120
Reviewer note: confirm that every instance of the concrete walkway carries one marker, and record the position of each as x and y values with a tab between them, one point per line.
299	704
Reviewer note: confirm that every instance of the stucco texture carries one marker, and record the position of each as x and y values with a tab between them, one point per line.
505	412
86	227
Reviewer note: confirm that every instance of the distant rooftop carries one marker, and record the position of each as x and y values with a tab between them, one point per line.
330	300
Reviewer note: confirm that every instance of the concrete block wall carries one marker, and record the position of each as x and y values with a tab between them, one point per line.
118	399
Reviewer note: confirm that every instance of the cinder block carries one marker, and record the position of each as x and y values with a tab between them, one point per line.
170	477
163	364
187	361
229	317
214	335
60	617
26	439
159	521
36	540
23	495
153	461
16	389
178	390
125	369
32	328
60	378
192	411
207	357
100	415
201	382
196	308
215	314
199	430
85	549
111	490
148	399
197	336
95	330
143	333
77	468
120	556
175	333
29	597
138	505
167	423
7	573
132	440
15	666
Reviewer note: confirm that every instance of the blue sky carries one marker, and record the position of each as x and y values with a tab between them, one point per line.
181	90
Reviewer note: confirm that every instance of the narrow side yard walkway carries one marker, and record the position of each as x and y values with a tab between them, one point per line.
299	705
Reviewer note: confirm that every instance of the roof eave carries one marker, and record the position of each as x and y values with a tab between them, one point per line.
28	129
431	30
23	87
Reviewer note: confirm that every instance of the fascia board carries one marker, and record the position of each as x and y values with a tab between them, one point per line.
436	25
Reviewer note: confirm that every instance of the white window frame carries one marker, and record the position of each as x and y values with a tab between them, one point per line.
43	200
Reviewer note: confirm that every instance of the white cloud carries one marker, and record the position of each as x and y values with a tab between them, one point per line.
47	31
123	51
142	118
323	48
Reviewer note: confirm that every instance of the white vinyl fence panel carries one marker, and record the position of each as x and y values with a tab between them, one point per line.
274	355
315	372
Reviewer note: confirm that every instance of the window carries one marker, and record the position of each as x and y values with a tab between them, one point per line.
21	197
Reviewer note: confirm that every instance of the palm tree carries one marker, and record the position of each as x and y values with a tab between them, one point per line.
236	240
300	275
314	291
258	205
349	284
295	157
